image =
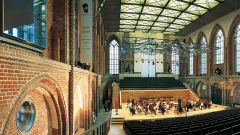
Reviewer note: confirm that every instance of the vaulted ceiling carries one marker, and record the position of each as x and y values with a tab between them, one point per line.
176	17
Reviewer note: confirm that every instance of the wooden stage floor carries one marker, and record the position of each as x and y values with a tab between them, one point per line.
124	113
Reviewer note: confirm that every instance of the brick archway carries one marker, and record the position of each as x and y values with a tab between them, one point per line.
234	94
49	84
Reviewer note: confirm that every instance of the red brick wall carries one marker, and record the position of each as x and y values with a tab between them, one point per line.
23	70
42	124
85	79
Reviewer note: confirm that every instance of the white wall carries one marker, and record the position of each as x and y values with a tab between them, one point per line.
138	63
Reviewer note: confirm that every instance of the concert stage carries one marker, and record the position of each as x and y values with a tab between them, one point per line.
124	114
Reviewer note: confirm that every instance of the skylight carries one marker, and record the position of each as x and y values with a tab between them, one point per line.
165	16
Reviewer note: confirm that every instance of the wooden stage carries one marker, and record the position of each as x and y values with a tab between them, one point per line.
124	114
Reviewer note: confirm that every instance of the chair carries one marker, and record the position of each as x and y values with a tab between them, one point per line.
236	128
228	124
219	127
237	133
237	121
226	131
195	132
208	130
213	133
181	133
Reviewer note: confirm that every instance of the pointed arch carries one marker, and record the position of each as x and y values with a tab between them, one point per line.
216	93
217	39
190	58
234	46
220	52
43	82
201	39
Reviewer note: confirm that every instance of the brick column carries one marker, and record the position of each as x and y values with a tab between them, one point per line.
72	63
1	16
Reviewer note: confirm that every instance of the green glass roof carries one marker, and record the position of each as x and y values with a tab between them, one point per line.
165	16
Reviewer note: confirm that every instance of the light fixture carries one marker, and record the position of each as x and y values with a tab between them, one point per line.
152	46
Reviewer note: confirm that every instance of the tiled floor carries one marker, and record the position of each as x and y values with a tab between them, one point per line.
116	129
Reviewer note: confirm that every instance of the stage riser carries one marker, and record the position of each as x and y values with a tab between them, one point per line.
127	95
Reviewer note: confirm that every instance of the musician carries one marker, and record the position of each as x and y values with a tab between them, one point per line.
151	108
188	106
180	105
179	102
162	108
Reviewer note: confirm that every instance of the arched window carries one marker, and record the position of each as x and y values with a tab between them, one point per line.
175	61
113	57
237	48
191	59
219	47
203	57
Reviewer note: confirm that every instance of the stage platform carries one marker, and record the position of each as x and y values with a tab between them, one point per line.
124	114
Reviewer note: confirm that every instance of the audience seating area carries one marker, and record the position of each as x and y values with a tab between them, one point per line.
151	83
225	122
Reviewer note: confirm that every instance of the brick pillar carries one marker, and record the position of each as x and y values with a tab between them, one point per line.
1	16
72	63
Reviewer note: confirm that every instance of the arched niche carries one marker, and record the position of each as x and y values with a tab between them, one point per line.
78	105
216	93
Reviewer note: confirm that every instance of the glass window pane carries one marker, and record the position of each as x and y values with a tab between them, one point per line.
219	47
113	57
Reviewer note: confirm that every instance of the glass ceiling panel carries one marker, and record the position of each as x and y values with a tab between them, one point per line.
196	10
160	3
151	10
172	30
174	4
182	22
127	26
149	23
159	24
188	0
207	3
167	16
128	22
131	8
143	27
148	17
129	16
165	19
133	1
171	13
187	16
158	28
176	26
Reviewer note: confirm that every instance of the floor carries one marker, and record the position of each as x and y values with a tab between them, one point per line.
116	129
126	115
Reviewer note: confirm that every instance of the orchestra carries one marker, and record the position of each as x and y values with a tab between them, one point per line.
152	106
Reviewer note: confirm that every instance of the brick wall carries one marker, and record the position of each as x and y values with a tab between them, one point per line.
22	71
42	124
86	80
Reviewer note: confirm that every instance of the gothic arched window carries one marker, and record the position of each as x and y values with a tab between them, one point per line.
219	47
237	48
203	57
191	60
113	57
